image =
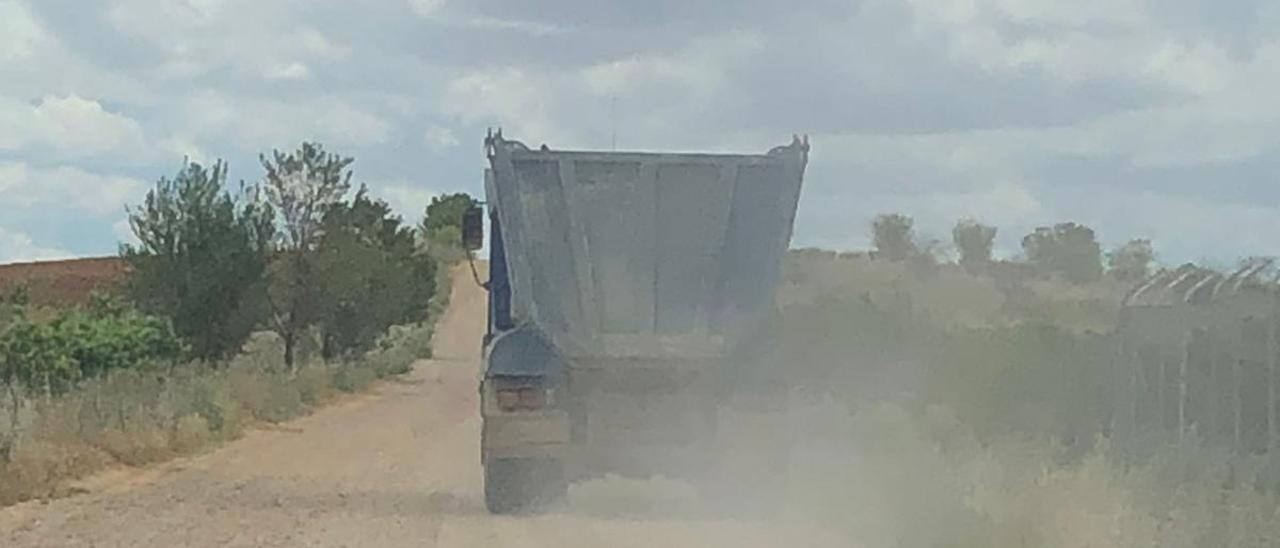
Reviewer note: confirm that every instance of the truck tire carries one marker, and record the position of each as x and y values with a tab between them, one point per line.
514	486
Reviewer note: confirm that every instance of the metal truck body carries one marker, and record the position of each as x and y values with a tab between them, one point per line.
631	298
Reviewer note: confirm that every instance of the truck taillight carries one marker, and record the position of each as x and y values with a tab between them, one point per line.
519	394
532	398
508	399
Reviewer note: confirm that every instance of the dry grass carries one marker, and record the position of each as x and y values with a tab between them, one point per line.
914	479
138	417
949	294
962	415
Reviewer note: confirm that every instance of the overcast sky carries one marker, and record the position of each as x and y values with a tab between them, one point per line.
1139	118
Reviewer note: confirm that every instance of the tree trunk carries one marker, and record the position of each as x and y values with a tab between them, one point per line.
1237	415
16	408
290	342
1183	392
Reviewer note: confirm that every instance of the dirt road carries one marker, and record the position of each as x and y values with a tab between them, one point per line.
398	467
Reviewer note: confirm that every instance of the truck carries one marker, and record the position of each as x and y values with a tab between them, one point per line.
632	319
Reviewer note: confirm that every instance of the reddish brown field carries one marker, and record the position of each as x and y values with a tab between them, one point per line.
64	283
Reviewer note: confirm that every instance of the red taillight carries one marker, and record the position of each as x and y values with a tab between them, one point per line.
532	398
525	398
508	399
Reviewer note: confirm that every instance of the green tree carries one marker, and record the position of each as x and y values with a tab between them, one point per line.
975	242
894	237
1068	249
201	258
13	303
1131	261
441	228
301	186
446	210
369	274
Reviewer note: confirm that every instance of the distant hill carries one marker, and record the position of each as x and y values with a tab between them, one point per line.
64	283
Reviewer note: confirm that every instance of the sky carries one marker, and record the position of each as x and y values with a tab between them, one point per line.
1139	118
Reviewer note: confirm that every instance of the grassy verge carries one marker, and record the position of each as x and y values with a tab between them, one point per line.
956	412
141	416
923	479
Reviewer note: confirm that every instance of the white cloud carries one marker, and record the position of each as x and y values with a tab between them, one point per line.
257	124
124	231
63	188
426	8
439	12
184	147
35	63
407	199
440	138
527	27
1075	41
1003	204
516	100
17	247
1189	225
291	71
71	126
21	35
79	124
697	68
1052	84
197	37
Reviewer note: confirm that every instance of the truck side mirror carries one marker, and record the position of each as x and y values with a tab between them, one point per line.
473	228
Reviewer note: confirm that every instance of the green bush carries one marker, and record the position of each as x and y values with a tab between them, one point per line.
106	387
315	384
82	344
210	398
397	350
284	400
353	378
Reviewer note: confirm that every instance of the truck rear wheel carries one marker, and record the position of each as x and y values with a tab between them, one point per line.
520	485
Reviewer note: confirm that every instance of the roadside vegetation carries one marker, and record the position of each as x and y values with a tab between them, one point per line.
976	395
245	304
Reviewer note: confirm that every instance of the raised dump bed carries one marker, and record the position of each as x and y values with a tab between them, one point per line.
631	298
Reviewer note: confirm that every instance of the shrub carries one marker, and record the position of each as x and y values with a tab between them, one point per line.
284	400
190	434
211	399
77	344
249	389
35	468
315	384
352	378
141	442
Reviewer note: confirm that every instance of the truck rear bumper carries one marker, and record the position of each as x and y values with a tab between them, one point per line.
590	460
548	436
639	423
544	435
739	440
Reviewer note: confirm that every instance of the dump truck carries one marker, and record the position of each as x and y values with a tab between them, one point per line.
632	319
